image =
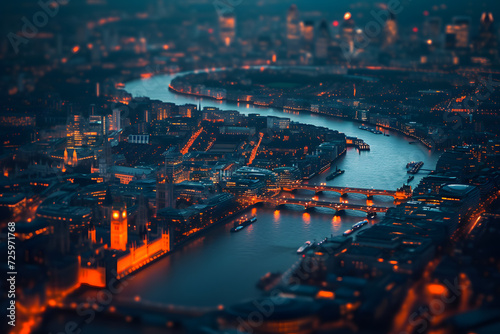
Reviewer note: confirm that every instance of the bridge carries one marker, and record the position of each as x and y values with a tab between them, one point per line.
311	204
402	193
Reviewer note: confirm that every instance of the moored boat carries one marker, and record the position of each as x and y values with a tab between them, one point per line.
359	224
334	174
304	247
243	224
348	232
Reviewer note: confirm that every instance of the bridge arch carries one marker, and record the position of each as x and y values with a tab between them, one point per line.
343	191
312	204
292	205
382	195
300	189
325	209
329	191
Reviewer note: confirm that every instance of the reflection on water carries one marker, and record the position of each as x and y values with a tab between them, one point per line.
336	224
225	267
306	217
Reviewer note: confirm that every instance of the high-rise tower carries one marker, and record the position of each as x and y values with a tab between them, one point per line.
293	31
457	33
432	30
74	129
322	41
227	29
486	42
308	35
390	30
348	32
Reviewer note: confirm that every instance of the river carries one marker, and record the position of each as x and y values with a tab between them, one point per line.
222	267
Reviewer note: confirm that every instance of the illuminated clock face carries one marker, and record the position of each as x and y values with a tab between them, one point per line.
124	214
116	215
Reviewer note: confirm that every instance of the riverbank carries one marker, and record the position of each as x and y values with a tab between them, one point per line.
203	231
420	140
217	267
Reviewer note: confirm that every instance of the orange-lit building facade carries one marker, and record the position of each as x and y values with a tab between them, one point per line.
140	256
119	227
120	263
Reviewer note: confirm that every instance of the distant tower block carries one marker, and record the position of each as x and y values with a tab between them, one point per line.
390	31
293	31
119	227
227	29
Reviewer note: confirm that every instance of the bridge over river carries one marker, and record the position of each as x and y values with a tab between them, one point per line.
402	193
311	204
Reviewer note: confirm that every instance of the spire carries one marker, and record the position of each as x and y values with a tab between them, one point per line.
75	158
66	156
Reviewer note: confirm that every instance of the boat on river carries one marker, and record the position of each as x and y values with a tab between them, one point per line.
348	232
336	173
304	247
243	224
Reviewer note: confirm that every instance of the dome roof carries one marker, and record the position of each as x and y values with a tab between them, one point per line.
457	189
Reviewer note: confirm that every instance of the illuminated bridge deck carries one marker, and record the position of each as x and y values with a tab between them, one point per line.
396	194
308	204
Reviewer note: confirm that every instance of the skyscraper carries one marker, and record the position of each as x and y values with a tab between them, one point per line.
390	30
308	35
486	42
105	159
458	33
322	41
227	29
74	130
348	32
432	29
293	31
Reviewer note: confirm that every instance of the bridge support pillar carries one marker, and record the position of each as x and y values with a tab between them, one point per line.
319	192
369	197
339	212
343	195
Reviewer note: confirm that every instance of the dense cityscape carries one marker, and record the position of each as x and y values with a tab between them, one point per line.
232	166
